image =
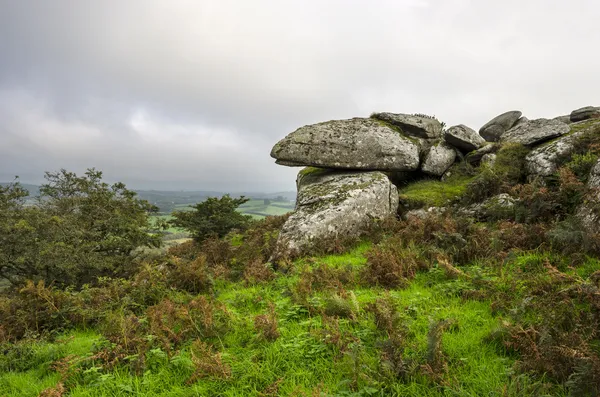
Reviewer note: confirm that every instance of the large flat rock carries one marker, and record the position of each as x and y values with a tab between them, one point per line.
334	204
534	132
360	144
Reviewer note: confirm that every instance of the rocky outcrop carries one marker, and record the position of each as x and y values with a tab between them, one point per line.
438	159
493	130
416	125
534	132
585	113
362	144
334	204
463	138
563	119
543	160
589	212
359	158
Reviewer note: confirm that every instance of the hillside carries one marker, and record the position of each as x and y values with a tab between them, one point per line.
399	279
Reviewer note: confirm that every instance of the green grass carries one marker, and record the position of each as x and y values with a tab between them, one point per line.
29	372
434	193
258	209
301	360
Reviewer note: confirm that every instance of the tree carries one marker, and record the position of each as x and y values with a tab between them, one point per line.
80	229
214	217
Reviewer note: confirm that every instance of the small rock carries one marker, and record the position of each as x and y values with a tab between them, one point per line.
418	126
438	159
585	113
476	156
463	138
534	132
489	159
493	129
423	213
499	206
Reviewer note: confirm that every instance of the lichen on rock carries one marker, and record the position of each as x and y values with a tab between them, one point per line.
335	204
359	143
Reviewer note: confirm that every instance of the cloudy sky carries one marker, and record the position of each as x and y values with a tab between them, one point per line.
179	94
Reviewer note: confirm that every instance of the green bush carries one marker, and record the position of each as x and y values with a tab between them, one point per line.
214	217
80	229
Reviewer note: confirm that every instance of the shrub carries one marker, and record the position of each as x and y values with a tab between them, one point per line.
79	230
343	305
391	265
387	317
266	324
508	170
40	310
207	363
192	276
214	217
257	272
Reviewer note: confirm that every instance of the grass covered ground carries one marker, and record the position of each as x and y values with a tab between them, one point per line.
507	304
425	338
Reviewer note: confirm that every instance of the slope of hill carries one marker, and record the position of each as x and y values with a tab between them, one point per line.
488	284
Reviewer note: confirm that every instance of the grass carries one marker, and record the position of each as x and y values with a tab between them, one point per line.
434	193
30	372
261	208
305	360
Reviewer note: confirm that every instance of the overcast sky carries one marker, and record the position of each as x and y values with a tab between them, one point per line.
193	94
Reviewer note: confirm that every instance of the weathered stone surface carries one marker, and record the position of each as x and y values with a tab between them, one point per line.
493	133
423	213
589	212
489	159
563	119
542	161
419	126
476	156
463	138
533	132
438	159
334	204
585	113
521	121
501	206
363	144
493	130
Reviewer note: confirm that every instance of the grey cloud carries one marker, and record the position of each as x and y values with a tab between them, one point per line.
75	74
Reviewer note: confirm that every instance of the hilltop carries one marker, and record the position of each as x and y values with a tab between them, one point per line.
420	261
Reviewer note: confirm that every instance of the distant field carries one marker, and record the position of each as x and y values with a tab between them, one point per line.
256	208
259	208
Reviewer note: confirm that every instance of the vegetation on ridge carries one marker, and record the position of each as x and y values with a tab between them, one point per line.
445	305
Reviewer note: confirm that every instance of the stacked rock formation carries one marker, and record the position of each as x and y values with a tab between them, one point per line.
352	163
